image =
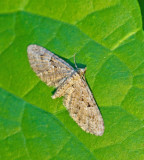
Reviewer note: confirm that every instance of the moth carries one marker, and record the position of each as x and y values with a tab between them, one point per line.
70	84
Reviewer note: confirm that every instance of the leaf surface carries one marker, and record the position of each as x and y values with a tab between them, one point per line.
108	38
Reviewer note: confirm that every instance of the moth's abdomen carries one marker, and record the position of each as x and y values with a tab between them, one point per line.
66	85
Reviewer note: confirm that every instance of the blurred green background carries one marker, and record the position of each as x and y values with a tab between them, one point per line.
108	38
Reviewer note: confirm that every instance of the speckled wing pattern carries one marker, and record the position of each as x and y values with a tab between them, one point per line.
78	98
49	67
83	109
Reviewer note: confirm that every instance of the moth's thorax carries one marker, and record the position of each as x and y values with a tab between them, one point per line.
81	71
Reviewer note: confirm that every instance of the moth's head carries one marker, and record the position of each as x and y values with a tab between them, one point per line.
81	71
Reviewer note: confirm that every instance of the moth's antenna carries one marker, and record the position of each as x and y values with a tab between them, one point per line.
75	61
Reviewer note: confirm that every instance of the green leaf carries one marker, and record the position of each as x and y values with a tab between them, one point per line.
28	132
108	38
141	3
